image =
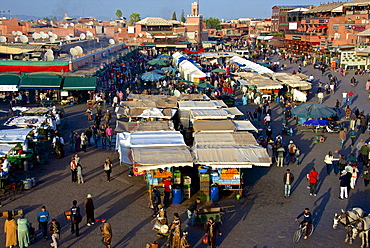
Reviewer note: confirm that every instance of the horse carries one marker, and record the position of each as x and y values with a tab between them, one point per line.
362	229
348	219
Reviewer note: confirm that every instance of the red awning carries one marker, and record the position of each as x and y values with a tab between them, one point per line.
322	27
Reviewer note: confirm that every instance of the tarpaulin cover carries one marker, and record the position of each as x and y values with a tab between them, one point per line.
17	135
224	139
149	126
5	148
34	66
245	126
250	65
313	110
24	121
210	114
213	125
79	83
200	104
40	81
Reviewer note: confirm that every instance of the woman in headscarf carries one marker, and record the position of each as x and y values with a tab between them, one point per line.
175	230
23	232
83	142
212	230
106	231
89	209
10	228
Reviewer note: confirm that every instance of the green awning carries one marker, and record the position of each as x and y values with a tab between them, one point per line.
9	82
41	81
79	83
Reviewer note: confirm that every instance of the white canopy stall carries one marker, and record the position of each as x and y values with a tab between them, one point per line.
250	65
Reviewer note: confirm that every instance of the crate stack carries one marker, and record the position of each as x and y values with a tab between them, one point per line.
186	188
205	182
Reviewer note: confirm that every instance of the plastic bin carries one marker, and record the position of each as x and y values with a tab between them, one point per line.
277	99
176	196
215	193
33	181
27	184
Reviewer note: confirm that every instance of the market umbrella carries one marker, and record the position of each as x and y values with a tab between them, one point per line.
316	122
157	71
167	69
313	110
151	77
165	56
218	70
157	62
186	81
206	85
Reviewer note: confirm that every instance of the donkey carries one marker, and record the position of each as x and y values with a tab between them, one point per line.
348	219
362	229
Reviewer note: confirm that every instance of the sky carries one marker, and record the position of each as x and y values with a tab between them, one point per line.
106	9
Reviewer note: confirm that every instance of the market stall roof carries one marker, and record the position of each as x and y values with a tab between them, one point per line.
79	83
5	148
249	64
357	3
141	97
232	157
213	125
139	104
224	139
9	82
234	111
16	135
36	111
13	50
152	113
151	139
41	81
188	105
245	126
193	97
261	83
25	121
201	114
150	158
121	126
153	126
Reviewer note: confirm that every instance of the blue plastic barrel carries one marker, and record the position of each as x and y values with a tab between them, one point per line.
215	193
176	196
277	99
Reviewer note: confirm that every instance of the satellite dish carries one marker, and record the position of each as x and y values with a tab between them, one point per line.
52	40
36	36
82	36
71	35
111	41
119	30
79	50
49	51
65	25
50	33
55	36
89	34
73	51
2	39
44	36
18	33
41	33
68	37
140	35
72	24
49	57
14	32
24	39
177	93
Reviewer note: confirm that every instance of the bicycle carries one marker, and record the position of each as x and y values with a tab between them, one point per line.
302	231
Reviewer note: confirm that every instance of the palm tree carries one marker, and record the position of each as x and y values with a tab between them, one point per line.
9	13
119	13
134	17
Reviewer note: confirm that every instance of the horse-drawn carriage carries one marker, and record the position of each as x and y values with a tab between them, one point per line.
204	214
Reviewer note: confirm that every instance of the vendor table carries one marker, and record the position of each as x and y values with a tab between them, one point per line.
21	159
3	179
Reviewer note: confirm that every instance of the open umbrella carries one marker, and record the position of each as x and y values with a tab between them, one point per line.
313	110
157	71
167	69
164	56
151	77
186	81
218	70
157	62
206	85
316	122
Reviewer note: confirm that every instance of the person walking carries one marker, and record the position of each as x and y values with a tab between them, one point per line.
54	230
355	172
108	168
89	210
342	137
288	180
192	211
76	218
344	184
88	134
175	232
344	98
280	156
107	233
291	149
156	200
365	153
103	135
337	106
267	120
366	174
43	218
95	135
72	142
80	178
167	186
83	142
313	179
73	167
10	229
23	232
329	162
320	97
109	133
352	135
89	114
212	229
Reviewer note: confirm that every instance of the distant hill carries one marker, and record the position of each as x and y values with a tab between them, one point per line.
29	17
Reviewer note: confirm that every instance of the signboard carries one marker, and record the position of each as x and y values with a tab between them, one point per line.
8	88
293	25
359	27
296	38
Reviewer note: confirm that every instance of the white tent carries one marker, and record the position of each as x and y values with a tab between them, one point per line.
24	121
11	136
5	148
245	126
250	65
204	114
188	105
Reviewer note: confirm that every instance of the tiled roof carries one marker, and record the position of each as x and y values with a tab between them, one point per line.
154	21
291	6
357	3
327	7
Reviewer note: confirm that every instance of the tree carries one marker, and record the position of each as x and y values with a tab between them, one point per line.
119	13
213	22
182	18
134	17
174	16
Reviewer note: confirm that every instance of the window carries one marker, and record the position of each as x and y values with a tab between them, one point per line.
330	43
337	36
322	43
321	21
307	21
335	27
